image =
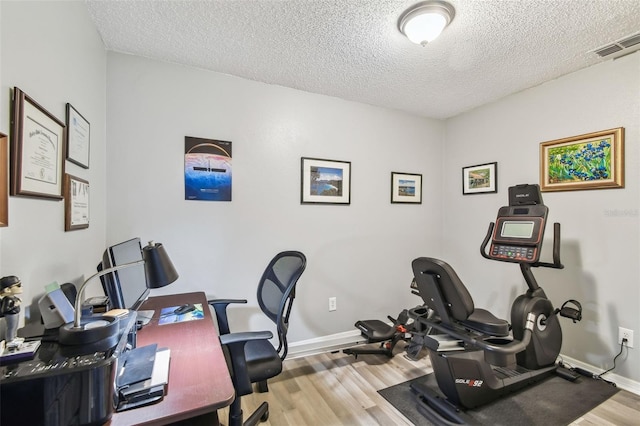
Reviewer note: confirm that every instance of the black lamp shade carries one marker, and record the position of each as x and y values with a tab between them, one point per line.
158	266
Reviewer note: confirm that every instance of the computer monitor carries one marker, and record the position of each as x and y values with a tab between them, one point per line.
127	287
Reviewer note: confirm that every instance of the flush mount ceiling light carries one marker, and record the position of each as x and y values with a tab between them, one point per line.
424	21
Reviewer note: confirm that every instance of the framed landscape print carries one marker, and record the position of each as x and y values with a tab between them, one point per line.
325	181
406	188
480	179
589	161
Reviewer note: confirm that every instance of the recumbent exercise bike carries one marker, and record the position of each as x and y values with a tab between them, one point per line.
401	329
474	356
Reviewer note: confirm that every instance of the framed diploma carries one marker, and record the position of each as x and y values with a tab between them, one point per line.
78	133
37	149
76	203
4	181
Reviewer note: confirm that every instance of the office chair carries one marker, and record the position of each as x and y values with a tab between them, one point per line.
251	356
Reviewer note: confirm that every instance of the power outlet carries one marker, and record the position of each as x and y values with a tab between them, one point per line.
333	304
625	333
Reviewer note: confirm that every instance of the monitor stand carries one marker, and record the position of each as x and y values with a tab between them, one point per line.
144	317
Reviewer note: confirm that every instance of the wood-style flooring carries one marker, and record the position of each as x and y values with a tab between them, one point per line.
337	389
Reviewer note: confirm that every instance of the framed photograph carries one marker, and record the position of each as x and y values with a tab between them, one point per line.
78	137
4	181
76	203
406	188
325	181
589	161
37	149
480	179
207	169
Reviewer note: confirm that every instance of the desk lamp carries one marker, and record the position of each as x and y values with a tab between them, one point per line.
159	272
158	266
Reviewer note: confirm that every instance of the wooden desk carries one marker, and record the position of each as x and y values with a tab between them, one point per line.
199	381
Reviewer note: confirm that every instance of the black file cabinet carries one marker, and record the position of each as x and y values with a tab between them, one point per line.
64	385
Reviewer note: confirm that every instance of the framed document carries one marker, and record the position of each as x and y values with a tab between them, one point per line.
4	181
78	135
76	203
37	149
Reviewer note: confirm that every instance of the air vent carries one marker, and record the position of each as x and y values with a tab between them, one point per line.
623	46
608	50
630	41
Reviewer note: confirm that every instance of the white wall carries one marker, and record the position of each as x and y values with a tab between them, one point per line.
52	52
600	232
359	253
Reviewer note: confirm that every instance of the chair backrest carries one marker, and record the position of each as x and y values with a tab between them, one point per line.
277	289
456	300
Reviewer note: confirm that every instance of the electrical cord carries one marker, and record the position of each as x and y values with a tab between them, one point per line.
599	376
563	363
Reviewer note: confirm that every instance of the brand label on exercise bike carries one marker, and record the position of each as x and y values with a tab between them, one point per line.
470	382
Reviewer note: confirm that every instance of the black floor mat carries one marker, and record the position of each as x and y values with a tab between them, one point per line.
553	401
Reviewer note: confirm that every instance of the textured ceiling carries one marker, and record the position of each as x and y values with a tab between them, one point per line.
352	49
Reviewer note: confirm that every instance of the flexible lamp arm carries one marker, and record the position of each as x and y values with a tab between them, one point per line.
78	310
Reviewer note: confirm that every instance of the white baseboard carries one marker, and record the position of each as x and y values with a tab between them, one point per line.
338	341
622	382
330	343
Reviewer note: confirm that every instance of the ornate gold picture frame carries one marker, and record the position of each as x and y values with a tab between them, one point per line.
590	161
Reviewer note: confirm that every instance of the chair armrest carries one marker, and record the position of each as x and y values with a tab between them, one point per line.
220	307
244	337
213	302
235	343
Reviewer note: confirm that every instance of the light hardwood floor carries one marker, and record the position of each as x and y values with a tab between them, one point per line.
337	389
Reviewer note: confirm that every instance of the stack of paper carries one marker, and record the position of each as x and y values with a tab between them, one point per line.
143	376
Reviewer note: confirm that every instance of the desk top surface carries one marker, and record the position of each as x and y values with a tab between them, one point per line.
199	380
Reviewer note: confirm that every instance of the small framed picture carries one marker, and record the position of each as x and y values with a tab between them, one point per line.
589	161
480	179
78	137
76	203
37	149
325	181
406	188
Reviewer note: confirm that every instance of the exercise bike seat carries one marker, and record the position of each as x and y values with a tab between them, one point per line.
485	322
375	330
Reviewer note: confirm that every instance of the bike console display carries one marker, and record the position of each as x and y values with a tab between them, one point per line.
518	233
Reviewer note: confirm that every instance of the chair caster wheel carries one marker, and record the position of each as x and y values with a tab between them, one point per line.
265	416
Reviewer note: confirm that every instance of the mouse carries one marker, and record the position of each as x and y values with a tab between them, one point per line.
184	309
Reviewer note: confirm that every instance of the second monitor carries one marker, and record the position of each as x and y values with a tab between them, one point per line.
126	288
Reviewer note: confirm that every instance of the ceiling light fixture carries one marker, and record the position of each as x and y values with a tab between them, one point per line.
424	21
